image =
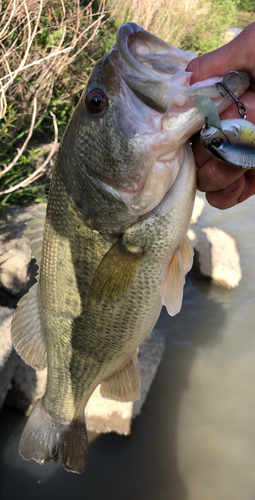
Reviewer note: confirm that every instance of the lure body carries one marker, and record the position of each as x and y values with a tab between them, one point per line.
232	141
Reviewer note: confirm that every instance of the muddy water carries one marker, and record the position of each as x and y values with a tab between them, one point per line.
195	437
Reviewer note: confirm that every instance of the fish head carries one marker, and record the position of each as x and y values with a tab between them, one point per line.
127	133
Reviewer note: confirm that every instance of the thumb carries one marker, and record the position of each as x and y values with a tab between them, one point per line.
235	55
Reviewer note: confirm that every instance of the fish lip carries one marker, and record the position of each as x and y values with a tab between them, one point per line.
123	37
123	34
162	90
151	86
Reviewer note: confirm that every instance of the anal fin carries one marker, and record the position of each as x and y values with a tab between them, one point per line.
124	384
26	330
172	287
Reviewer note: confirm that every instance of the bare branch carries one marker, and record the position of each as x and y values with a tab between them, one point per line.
39	61
7	168
39	171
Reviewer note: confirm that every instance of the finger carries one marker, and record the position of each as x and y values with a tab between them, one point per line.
216	175
201	155
249	188
228	197
237	54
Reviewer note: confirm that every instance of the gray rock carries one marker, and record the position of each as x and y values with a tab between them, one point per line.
17	270
8	357
28	385
216	256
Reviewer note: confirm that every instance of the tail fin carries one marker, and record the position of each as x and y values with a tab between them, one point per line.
45	439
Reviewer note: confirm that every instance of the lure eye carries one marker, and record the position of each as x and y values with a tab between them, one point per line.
95	101
216	142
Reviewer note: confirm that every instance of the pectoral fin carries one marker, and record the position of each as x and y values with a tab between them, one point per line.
124	384
187	254
116	272
172	287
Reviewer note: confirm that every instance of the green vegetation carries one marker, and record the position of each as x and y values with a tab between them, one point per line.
48	49
245	5
211	28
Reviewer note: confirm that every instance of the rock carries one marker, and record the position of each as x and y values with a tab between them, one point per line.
197	210
102	415
150	355
106	415
17	270
216	256
8	357
28	385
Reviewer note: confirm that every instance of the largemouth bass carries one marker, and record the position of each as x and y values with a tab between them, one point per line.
114	238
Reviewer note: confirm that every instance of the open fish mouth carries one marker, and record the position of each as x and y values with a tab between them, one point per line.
155	72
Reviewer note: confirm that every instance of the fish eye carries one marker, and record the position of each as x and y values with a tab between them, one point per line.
216	142
95	101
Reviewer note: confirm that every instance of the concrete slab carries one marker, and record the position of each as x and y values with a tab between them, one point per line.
105	415
216	256
197	210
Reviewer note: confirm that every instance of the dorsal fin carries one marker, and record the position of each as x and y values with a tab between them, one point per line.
172	287
26	329
34	234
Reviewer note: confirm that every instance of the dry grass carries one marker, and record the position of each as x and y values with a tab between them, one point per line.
168	19
28	67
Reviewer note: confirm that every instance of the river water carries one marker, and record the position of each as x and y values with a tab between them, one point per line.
194	439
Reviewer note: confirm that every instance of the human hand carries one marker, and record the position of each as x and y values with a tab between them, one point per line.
226	185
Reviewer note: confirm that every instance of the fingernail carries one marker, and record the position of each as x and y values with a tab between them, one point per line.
232	187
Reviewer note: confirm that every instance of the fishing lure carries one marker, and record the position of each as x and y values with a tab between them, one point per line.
233	140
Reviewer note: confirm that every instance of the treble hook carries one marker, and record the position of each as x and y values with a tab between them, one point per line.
240	105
